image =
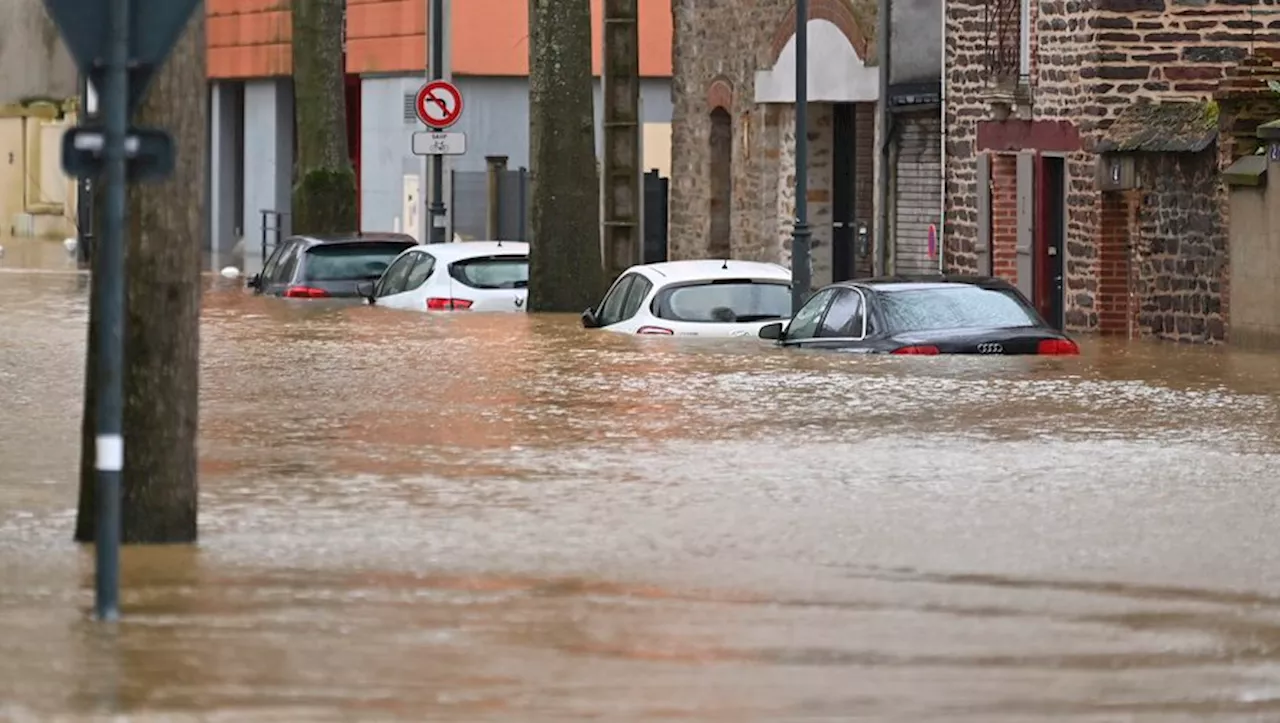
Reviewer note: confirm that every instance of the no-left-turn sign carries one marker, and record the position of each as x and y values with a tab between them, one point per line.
439	104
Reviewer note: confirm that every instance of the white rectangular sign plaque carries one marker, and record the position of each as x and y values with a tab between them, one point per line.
429	143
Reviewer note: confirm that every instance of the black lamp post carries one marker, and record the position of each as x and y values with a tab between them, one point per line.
801	271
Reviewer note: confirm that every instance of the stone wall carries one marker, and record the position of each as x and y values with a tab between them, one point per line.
918	191
718	47
1090	60
1180	249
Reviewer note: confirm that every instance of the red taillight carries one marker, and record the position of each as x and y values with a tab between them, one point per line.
436	304
1058	347
653	330
916	350
305	292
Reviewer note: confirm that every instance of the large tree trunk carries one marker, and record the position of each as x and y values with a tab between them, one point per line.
165	232
565	271
324	194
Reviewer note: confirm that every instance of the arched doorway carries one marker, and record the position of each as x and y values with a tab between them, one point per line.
721	140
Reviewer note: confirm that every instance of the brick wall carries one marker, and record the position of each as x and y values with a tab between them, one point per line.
1118	219
918	197
1090	60
1004	217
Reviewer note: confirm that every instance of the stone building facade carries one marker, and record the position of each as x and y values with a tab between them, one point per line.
1085	142
733	131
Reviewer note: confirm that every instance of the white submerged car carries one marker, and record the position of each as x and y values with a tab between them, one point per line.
713	298
465	275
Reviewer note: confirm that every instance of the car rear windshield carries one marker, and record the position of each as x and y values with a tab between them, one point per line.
956	307
727	301
492	272
362	261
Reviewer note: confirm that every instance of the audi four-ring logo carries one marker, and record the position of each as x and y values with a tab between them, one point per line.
990	348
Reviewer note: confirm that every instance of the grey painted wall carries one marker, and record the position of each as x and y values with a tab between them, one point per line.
33	60
268	159
916	46
495	118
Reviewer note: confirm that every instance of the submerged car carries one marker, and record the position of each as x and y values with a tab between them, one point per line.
921	315
459	276
720	298
319	267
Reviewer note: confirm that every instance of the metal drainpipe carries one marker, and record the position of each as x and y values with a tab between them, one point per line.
883	37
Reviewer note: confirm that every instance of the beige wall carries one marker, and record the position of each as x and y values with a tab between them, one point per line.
1255	263
36	197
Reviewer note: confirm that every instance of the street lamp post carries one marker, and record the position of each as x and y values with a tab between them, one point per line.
801	271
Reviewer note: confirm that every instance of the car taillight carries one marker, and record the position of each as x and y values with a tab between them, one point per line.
305	292
916	350
653	330
1058	347
437	304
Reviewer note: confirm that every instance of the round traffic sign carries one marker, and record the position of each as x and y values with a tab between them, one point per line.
439	104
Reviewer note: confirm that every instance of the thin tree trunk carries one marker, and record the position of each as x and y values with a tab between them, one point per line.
165	231
565	272
324	196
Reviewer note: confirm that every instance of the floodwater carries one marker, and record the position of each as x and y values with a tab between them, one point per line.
506	518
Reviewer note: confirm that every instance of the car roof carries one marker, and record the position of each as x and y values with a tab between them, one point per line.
346	238
907	282
694	269
459	250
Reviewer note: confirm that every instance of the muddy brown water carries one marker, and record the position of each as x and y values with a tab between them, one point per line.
506	518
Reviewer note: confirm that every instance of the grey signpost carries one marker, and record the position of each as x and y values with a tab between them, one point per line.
118	45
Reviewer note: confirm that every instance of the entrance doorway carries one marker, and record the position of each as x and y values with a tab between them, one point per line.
844	158
1050	239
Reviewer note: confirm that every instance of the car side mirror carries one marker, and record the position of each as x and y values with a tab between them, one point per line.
589	320
771	331
254	282
365	290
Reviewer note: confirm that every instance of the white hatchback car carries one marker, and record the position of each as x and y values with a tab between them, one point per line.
720	298
471	275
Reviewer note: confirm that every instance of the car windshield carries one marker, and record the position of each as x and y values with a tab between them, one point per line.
954	307
729	301
364	261
495	272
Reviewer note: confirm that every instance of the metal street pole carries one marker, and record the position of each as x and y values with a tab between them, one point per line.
435	22
801	272
108	284
885	32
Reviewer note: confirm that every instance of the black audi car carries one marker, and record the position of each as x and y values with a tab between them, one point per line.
921	315
320	267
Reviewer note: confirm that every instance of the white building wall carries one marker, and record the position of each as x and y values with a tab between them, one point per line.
268	160
495	119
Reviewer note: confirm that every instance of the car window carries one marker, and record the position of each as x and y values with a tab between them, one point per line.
727	301
393	281
954	307
610	311
288	263
492	272
636	295
844	317
423	265
273	261
804	325
362	261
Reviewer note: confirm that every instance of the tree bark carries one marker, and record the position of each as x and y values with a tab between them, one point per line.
565	272
165	231
324	194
